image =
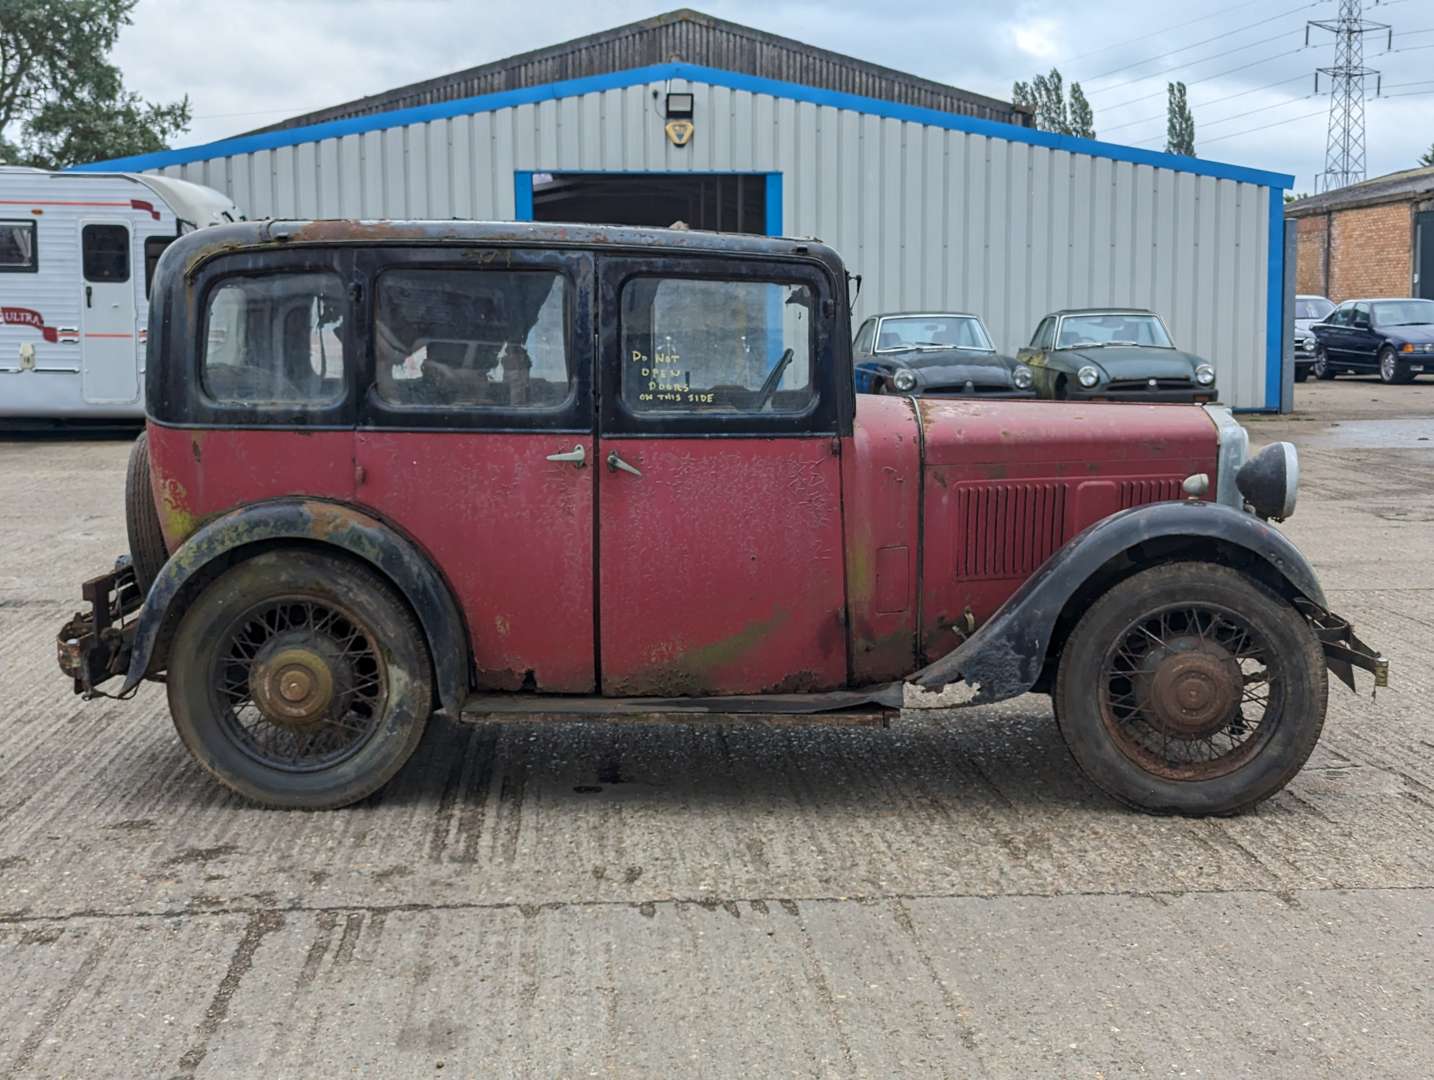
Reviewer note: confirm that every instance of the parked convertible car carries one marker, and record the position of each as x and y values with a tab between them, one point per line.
1308	311
1394	338
934	355
1114	354
502	469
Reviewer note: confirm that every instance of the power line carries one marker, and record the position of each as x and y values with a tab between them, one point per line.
1205	41
1237	116
1165	30
1262	127
1208	78
1207	104
1188	63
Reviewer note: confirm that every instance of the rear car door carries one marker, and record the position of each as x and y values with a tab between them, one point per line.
720	567
476	439
109	362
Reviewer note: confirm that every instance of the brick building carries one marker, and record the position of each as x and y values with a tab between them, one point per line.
1375	238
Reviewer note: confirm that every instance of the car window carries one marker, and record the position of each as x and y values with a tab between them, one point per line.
17	246
932	332
1404	313
275	339
1360	316
1045	333
709	346
472	338
1113	328
864	337
1312	307
1339	316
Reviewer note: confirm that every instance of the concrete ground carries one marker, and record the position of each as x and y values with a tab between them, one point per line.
946	898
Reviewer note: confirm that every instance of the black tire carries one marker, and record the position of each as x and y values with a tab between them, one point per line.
1302	372
1113	725
146	541
1392	370
1321	367
364	676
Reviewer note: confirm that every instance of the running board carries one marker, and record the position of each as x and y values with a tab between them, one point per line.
872	706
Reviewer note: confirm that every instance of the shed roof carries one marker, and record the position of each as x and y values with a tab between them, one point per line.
687	36
1408	185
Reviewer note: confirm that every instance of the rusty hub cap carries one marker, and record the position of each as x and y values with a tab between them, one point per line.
293	685
1195	691
1190	692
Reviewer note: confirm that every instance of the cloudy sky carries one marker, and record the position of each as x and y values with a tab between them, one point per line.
245	63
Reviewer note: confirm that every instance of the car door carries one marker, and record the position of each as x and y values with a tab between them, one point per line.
1331	333
109	364
476	439
720	556
1361	342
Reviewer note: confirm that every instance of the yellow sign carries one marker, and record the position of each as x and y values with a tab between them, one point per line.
679	132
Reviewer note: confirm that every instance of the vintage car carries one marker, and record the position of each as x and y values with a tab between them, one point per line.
1392	338
1113	354
946	354
1308	311
502	469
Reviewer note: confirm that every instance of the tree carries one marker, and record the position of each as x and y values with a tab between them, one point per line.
1045	96
1180	122
1428	158
61	101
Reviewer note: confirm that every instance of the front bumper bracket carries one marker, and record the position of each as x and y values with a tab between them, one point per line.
95	646
1343	651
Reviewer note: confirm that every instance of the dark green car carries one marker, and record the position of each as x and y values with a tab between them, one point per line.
1113	354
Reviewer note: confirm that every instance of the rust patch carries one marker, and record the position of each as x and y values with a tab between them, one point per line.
177	518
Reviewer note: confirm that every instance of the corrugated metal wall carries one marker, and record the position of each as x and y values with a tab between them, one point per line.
931	218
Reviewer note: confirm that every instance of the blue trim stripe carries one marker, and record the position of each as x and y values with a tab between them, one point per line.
522	195
269	140
773	202
1275	304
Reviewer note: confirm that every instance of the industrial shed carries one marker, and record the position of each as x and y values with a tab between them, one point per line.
939	198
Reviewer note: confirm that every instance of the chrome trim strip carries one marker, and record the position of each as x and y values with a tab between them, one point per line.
1234	451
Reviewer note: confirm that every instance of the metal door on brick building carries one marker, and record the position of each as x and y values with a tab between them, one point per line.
1424	255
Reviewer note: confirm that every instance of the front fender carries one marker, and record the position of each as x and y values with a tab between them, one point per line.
1005	657
329	523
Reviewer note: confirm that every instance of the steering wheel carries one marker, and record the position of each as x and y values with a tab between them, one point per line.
769	387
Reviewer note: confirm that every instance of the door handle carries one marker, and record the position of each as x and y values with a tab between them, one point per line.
577	455
89	296
614	463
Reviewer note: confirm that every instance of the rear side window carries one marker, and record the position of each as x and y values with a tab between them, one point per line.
275	339
105	253
17	247
473	339
153	248
711	347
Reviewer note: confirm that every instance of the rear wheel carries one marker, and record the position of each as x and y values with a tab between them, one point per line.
1191	688
1321	366
300	680
146	541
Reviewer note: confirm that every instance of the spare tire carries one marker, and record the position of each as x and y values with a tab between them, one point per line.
146	540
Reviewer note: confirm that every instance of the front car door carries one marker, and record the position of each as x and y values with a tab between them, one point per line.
1362	341
476	439
108	360
720	549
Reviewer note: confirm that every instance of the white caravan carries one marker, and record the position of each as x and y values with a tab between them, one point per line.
77	252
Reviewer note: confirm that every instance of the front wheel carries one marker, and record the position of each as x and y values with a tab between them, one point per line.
1392	369
1302	372
1191	688
1321	367
300	680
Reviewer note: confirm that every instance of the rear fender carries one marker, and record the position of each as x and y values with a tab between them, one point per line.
311	521
1005	657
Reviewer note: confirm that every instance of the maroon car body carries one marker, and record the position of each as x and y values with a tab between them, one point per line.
623	532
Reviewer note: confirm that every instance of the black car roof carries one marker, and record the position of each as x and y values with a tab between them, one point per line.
200	244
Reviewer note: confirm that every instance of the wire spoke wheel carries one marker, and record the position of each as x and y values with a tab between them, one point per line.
1190	692
298	683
